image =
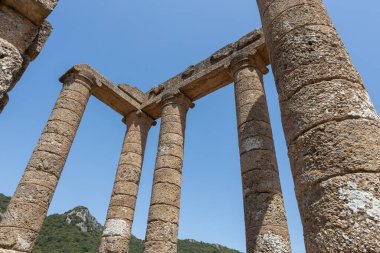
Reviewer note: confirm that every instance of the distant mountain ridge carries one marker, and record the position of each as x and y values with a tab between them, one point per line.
77	231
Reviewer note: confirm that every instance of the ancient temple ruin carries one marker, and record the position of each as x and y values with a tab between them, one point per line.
331	128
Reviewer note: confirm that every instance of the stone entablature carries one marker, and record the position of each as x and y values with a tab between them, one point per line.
196	82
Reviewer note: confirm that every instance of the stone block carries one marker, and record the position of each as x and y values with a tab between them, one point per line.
123	200
126	188
17	239
117	227
165	193
167	175
54	143
342	213
69	104
250	97
75	96
133	136
164	213
68	116
33	193
120	212
260	181
114	244
17	30
129	173
131	159
165	149
265	209
254	128
248	112
256	143
314	73
335	148
167	137
268	240
60	128
169	161
40	178
311	45
24	215
34	10
258	160
11	63
134	147
323	102
172	127
47	162
173	118
39	41
283	21
160	247
162	231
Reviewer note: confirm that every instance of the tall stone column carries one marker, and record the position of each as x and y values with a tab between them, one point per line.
27	210
162	230
118	226
331	127
265	216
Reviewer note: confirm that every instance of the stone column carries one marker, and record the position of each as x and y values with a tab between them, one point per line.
265	217
162	230
118	226
26	212
23	33
330	124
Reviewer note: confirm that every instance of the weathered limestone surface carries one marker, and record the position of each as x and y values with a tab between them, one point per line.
330	124
26	212
118	226
124	99
34	10
265	217
163	219
23	33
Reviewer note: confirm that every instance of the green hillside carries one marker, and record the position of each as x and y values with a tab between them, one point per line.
4	200
77	231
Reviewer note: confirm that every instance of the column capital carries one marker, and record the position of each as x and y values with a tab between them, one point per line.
246	60
177	97
83	74
138	117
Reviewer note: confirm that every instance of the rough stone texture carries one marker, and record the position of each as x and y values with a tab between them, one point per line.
162	230
16	29
39	41
10	62
34	10
3	101
265	217
330	124
21	39
26	212
345	209
118	226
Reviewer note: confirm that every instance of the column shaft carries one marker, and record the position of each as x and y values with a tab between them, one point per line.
330	124
265	217
118	226
26	212
162	229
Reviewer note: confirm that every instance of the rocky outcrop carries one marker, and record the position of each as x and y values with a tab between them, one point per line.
82	218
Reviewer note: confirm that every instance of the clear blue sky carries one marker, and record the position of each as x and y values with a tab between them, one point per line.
144	43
